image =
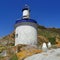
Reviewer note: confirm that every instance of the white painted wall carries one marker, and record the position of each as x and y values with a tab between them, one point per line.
26	14
49	44
44	47
26	35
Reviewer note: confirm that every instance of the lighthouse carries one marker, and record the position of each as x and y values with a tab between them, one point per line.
26	29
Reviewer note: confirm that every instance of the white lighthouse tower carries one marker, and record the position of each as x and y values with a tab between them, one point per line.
26	29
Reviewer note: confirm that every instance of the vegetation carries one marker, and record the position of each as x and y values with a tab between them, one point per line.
14	57
26	51
52	40
44	35
48	33
2	48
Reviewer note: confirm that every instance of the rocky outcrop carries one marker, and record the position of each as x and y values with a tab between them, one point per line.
53	54
26	51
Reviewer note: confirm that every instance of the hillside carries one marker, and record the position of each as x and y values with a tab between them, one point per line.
44	35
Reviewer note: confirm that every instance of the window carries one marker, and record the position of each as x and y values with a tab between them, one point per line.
16	35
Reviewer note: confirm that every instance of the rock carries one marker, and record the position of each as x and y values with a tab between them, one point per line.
27	51
55	55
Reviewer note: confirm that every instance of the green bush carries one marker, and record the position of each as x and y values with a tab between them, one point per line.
14	57
52	40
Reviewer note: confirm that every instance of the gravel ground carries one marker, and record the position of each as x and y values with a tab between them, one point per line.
53	54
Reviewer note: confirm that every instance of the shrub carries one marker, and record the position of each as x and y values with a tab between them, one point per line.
52	40
14	57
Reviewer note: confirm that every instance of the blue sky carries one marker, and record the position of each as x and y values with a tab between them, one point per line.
45	12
